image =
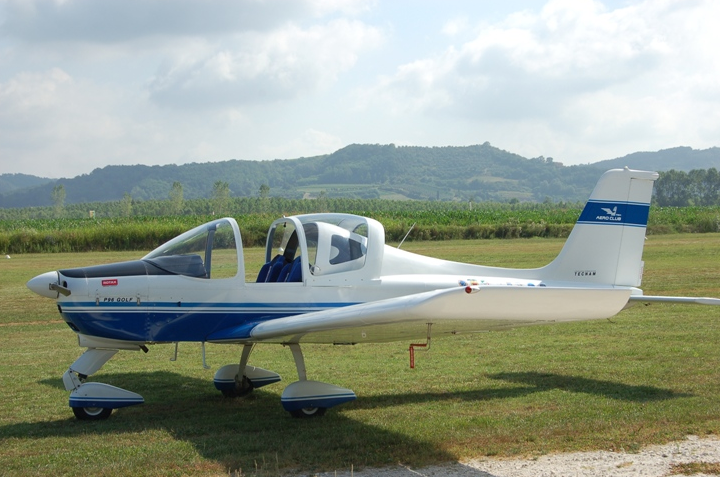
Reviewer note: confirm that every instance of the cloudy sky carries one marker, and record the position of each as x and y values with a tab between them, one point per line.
88	83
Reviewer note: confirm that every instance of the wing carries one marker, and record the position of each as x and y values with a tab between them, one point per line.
450	311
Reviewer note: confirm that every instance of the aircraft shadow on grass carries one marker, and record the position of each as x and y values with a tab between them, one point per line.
536	382
609	389
253	429
194	412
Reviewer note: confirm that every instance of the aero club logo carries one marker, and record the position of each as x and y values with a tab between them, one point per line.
611	215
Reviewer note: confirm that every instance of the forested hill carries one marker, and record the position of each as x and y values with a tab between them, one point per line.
480	172
678	158
13	182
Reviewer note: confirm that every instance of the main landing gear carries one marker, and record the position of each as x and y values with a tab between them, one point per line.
311	398
238	380
301	399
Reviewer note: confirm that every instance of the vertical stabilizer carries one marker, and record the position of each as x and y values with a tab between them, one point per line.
606	244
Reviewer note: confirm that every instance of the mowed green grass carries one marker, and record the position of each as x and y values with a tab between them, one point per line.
649	375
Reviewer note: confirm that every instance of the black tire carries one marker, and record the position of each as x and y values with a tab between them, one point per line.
308	412
92	413
242	388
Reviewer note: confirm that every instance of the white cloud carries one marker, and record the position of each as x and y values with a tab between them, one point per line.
312	142
45	101
348	7
455	26
108	21
77	89
523	67
259	68
58	125
576	71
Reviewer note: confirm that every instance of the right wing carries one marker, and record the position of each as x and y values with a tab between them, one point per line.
449	310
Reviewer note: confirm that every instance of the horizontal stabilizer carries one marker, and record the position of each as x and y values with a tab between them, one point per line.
676	299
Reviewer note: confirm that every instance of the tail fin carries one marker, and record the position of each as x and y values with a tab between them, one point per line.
606	244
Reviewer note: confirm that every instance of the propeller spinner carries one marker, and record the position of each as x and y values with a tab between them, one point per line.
47	285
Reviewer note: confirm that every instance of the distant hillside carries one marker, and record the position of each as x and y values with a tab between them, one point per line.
480	172
13	182
678	158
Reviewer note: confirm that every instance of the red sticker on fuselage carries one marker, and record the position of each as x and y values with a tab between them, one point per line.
110	283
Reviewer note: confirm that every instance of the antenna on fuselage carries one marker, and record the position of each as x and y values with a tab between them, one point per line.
406	235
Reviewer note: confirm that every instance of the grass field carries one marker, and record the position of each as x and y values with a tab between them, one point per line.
650	375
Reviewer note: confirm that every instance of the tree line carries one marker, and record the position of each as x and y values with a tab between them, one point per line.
699	187
480	172
674	188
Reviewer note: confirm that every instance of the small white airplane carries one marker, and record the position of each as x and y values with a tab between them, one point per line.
330	278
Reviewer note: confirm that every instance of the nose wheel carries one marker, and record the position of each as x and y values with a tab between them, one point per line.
95	401
92	413
306	412
242	388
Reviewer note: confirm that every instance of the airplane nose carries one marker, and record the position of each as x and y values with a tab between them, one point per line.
42	284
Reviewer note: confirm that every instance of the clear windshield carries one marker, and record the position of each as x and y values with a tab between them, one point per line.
207	251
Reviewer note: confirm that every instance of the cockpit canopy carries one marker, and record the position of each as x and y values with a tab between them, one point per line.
319	245
314	248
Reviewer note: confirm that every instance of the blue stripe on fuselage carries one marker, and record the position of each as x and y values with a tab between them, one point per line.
178	322
632	214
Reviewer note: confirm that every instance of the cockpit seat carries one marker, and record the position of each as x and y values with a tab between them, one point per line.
263	273
284	272
267	269
295	273
275	268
